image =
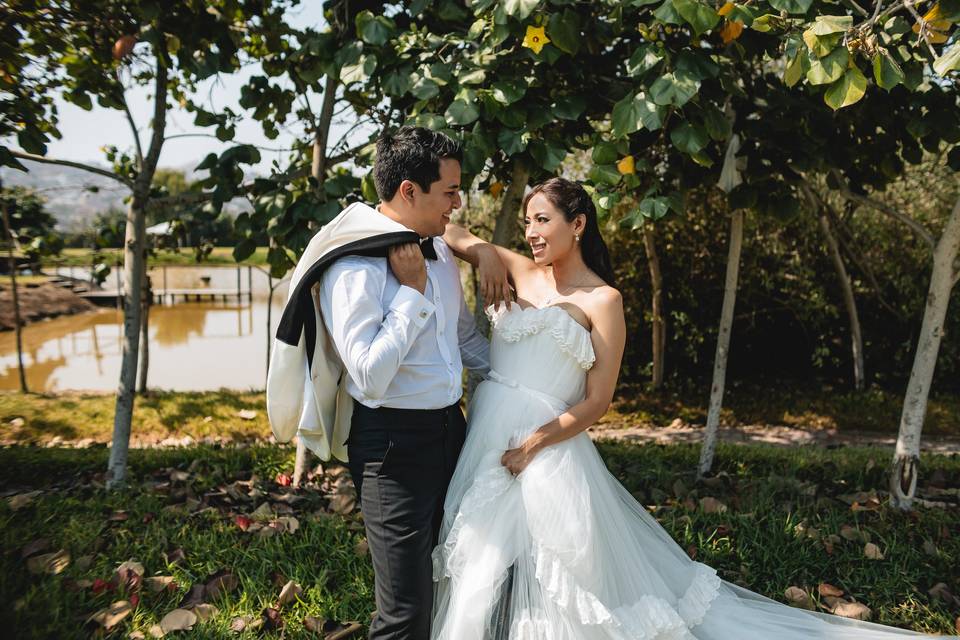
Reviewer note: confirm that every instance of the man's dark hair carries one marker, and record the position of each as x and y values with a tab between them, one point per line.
412	153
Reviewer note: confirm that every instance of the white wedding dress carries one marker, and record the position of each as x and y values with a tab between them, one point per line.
563	551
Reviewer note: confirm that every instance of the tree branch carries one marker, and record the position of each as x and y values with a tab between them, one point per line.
71	163
133	126
159	125
915	226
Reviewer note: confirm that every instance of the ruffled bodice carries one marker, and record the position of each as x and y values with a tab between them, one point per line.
543	349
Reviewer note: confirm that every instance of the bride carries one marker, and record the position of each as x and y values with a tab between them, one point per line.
539	541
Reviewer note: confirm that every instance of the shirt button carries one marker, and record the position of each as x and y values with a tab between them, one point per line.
423	313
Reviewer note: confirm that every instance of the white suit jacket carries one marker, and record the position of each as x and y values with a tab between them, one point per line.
306	392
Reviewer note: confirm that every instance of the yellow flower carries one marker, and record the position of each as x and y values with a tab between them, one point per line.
937	27
725	9
535	39
626	166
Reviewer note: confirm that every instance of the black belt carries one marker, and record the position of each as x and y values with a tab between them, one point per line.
394	413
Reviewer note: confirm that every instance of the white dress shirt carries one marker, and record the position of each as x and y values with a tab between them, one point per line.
401	348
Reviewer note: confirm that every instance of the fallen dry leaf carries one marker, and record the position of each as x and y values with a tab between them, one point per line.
247	414
219	583
157	584
712	505
205	611
178	620
108	617
797	597
289	593
263	512
284	479
271	619
872	551
827	589
362	548
50	563
243	623
853	610
155	631
21	500
38	545
243	522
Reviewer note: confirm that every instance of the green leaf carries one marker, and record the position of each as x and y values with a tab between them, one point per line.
8	160
564	31
791	6
698	64
359	71
667	13
821	45
547	155
948	61
847	90
569	107
431	121
244	249
825	25
689	138
375	30
512	142
476	76
461	113
828	68
953	159
701	16
645	58
604	174
674	88
716	124
397	83
508	91
654	208
796	69
424	88
520	9
605	153
32	141
633	113
369	188
886	71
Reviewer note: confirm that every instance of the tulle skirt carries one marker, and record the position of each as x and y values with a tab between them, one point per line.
564	552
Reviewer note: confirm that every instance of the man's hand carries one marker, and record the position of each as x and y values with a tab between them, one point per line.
407	263
494	285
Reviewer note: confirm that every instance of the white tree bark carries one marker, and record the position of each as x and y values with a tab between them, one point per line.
144	334
906	458
17	322
134	266
709	446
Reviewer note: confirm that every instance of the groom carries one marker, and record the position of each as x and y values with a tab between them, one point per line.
403	333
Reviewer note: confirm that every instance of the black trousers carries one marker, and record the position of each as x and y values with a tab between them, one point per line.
401	461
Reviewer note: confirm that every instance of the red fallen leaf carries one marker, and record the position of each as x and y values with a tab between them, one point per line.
243	522
118	516
284	479
827	589
134	600
100	585
271	619
148	518
692	551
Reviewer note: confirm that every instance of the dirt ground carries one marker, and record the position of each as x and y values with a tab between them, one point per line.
39	301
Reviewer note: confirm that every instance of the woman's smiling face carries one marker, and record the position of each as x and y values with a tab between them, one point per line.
547	231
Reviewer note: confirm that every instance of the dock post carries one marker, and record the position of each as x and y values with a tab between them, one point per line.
249	283
164	285
238	285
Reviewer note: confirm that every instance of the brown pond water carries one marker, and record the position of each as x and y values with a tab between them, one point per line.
194	346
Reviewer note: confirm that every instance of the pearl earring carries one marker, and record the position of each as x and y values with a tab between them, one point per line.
577	237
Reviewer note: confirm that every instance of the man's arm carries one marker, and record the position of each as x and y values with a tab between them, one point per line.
371	341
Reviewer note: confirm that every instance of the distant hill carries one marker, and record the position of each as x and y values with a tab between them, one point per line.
75	196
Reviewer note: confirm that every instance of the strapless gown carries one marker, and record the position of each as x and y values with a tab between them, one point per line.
563	551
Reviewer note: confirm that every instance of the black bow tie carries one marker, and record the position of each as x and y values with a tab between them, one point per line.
427	249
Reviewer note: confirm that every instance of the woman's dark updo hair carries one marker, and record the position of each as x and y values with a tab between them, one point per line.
572	200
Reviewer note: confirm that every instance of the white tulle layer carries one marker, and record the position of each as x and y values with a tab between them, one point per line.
563	551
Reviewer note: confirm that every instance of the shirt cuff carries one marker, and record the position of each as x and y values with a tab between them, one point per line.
412	304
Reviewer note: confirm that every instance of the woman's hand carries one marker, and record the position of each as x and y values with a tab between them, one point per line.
493	275
516	460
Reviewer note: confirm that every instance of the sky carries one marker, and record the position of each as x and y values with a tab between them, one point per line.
84	132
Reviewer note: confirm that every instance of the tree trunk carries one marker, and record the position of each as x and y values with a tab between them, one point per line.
147	298
132	282
723	344
504	231
856	337
134	251
656	282
906	459
17	323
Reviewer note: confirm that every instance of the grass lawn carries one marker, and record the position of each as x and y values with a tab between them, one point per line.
219	256
216	523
